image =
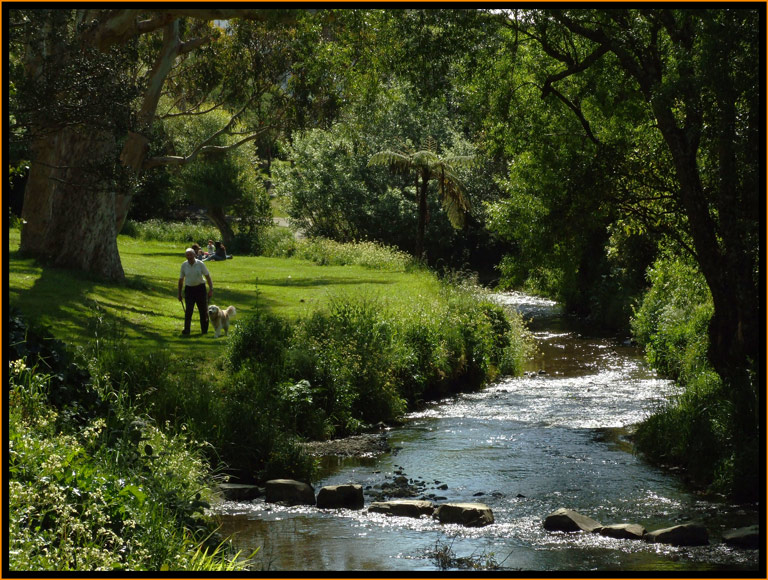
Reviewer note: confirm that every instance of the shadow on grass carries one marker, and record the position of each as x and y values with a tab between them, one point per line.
71	303
146	307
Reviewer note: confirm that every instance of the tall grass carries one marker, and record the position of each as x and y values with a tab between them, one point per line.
176	232
233	410
367	254
278	242
364	359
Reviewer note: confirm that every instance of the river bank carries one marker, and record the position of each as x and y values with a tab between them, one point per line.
526	447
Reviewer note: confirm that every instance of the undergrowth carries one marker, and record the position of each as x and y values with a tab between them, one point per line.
695	429
96	484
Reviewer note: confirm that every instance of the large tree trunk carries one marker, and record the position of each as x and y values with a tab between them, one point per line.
68	208
734	330
219	219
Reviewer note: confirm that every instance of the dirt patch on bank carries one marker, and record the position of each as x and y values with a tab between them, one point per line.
366	445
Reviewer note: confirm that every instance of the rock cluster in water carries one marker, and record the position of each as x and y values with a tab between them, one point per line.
350	496
691	534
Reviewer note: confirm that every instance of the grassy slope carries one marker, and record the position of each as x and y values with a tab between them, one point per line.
148	305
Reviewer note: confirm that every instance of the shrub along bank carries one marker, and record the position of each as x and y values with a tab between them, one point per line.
694	430
93	482
349	365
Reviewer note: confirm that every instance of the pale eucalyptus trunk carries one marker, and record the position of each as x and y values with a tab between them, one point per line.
73	212
68	210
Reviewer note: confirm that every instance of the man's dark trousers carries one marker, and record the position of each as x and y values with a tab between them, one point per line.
196	295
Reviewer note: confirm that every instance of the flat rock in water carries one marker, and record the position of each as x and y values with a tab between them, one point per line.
290	492
682	535
565	520
341	496
405	508
748	537
622	531
472	515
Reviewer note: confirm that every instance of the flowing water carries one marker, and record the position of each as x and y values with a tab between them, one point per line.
525	447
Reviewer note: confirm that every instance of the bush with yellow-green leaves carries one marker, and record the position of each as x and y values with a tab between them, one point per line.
113	492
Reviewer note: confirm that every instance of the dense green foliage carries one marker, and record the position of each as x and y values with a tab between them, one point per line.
333	192
601	137
360	361
94	483
694	430
221	182
671	322
562	213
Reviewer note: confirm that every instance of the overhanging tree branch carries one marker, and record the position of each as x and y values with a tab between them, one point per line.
178	160
576	67
576	111
136	145
118	26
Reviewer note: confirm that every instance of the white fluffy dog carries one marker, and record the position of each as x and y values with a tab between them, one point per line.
220	318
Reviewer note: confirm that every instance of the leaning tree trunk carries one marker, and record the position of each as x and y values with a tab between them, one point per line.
734	331
216	215
69	210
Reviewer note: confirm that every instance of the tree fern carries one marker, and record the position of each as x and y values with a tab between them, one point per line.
427	165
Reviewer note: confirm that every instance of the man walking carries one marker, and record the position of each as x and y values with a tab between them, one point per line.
192	272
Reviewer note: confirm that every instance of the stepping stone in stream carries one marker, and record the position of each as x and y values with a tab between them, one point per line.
290	492
240	491
472	515
406	508
341	496
622	531
682	535
748	537
565	520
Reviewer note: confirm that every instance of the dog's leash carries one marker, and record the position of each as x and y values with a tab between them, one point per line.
182	307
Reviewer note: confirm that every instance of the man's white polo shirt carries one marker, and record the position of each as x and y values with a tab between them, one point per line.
193	273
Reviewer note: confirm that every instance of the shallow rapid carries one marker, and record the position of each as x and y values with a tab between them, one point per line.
556	437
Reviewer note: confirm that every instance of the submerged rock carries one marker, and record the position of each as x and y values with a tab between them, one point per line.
682	535
398	487
473	515
290	492
341	496
240	491
748	537
565	520
405	508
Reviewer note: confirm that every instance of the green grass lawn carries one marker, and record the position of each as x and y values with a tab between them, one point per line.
147	302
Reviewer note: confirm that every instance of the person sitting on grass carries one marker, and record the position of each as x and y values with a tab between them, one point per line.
199	254
220	253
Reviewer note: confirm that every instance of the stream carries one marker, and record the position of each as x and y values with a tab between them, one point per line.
524	446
